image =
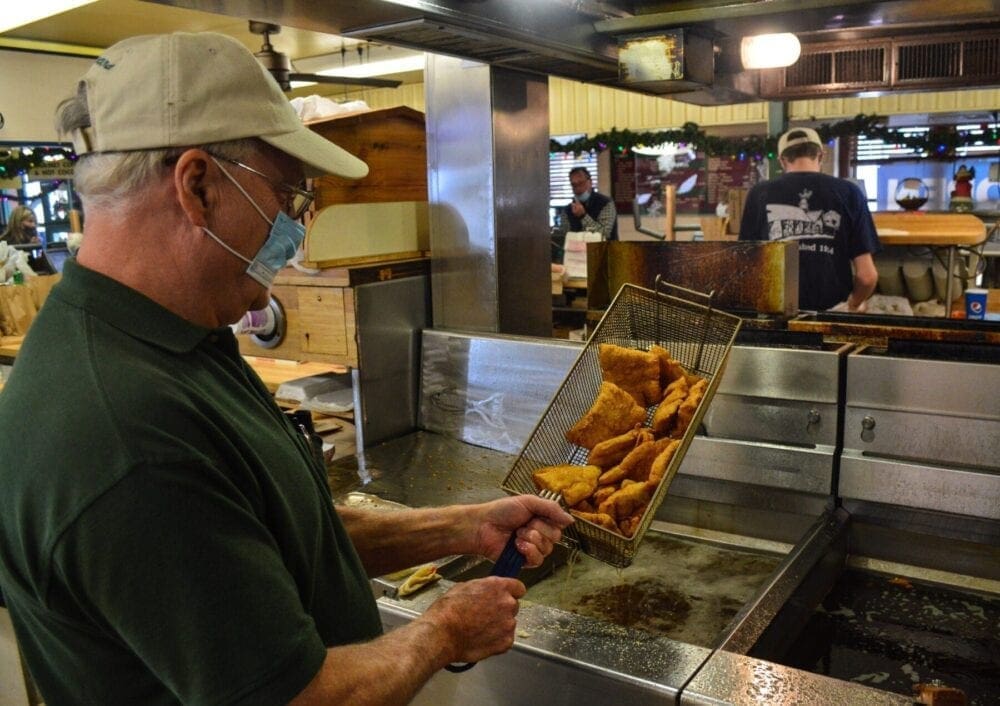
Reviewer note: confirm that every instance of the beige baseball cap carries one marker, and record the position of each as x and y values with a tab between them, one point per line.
183	89
798	136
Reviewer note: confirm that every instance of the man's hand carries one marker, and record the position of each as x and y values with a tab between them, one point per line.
539	524
477	618
577	208
859	309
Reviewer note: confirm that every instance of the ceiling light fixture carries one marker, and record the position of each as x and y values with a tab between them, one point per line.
414	62
769	51
16	14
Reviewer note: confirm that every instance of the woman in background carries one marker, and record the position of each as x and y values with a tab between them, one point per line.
22	228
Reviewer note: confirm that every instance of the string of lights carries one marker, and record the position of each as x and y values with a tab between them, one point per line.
15	161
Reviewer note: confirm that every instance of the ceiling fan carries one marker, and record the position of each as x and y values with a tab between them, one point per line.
281	67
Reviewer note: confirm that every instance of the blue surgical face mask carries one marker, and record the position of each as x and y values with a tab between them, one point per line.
582	198
283	240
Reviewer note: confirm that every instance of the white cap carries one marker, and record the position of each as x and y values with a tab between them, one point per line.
184	90
798	136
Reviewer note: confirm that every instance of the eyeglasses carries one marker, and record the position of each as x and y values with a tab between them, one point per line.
297	200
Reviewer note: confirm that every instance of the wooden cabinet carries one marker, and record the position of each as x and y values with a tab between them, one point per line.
392	142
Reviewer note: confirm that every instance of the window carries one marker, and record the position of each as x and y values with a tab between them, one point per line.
560	192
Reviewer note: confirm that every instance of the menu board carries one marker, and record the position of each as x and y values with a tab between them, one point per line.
725	174
701	182
623	182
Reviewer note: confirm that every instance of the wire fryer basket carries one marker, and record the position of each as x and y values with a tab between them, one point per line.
697	336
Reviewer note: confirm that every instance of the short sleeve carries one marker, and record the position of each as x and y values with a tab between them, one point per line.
175	563
752	226
863	236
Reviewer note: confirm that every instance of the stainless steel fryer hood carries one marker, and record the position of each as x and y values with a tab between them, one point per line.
578	39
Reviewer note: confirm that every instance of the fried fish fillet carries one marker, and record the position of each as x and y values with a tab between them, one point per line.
627	500
603	493
614	412
685	413
636	372
576	483
661	462
611	451
663	417
669	369
598	518
636	465
630	525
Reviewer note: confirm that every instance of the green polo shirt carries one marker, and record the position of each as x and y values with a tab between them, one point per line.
165	534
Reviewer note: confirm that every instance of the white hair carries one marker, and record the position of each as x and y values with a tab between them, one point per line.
112	180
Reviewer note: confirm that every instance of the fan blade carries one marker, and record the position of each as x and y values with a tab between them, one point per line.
346	80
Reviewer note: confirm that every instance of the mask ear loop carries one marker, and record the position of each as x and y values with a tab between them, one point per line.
242	191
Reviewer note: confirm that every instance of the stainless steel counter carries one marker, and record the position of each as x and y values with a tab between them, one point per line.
570	658
762	483
563	657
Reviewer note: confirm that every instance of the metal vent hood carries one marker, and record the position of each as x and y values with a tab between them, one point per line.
580	39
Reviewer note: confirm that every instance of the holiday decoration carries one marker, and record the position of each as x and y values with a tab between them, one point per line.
961	196
16	161
939	143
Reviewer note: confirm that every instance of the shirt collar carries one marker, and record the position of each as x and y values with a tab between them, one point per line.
128	310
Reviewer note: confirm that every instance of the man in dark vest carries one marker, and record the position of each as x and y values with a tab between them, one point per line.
589	210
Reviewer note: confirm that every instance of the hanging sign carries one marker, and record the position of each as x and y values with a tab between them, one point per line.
52	170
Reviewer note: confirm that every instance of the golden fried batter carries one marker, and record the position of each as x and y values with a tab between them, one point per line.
584	506
670	369
603	493
661	462
636	372
629	525
635	466
611	451
627	500
613	412
576	483
663	417
598	518
693	379
677	390
685	413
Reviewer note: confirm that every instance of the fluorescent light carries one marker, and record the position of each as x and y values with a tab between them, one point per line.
769	51
16	14
414	62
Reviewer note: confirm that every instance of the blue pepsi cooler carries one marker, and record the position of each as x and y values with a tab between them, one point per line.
975	303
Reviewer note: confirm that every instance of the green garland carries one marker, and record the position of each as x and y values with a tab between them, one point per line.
939	143
18	160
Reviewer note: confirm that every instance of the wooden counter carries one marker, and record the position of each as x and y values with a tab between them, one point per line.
926	228
274	372
10	345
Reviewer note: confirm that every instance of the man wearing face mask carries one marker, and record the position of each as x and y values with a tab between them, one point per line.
589	210
166	536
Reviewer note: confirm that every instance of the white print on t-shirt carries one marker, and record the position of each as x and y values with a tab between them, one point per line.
816	247
797	222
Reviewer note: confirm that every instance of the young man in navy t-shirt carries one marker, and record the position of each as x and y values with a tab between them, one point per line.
829	218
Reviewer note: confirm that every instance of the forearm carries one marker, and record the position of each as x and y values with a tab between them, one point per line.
865	280
389	541
604	222
388	670
859	294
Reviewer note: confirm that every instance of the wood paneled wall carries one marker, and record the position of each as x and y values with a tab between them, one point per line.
576	107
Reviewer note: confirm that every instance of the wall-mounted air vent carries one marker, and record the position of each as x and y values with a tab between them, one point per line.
860	66
478	44
972	59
